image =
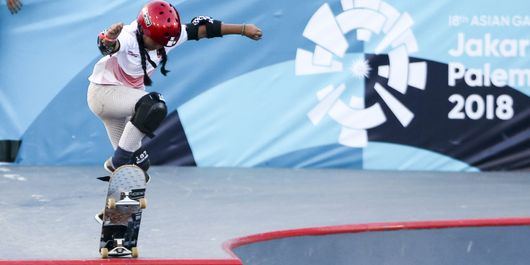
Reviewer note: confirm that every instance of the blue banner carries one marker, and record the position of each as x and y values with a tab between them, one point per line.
363	84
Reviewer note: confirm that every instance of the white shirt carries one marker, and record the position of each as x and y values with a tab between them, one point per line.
124	67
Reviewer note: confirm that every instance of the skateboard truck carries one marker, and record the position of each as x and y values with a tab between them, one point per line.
126	201
119	250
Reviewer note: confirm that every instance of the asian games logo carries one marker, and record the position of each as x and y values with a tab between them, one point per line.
370	19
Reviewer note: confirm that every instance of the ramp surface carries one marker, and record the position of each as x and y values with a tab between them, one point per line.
47	213
484	242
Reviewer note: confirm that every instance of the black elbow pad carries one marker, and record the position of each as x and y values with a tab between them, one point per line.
213	27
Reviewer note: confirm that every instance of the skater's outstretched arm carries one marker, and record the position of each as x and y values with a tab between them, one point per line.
203	26
248	30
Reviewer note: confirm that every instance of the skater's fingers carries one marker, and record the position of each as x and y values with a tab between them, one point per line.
18	4
14	6
114	31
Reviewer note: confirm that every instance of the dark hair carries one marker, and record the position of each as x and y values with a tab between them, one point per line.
163	70
144	56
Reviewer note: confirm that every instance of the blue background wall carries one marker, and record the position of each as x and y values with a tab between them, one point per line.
236	102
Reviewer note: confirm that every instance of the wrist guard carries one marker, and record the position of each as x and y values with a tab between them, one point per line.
105	50
213	27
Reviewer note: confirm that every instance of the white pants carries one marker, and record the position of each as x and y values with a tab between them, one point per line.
114	105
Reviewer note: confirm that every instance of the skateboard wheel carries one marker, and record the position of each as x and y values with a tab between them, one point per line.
134	251
104	253
143	203
111	203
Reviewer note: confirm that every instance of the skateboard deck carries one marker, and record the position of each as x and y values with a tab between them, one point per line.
123	212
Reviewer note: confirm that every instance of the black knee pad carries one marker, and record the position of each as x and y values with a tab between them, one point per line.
149	113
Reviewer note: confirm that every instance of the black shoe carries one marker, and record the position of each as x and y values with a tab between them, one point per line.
99	217
108	166
105	178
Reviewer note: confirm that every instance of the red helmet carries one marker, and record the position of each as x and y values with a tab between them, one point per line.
160	21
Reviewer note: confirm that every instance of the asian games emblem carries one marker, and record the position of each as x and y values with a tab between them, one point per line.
367	20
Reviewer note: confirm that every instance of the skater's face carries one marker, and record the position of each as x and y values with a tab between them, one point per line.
150	44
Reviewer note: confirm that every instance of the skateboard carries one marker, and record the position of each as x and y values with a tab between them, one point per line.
123	212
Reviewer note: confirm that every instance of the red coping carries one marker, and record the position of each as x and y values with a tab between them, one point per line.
373	227
126	261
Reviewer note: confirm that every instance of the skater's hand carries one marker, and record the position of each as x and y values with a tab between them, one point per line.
14	6
112	34
251	31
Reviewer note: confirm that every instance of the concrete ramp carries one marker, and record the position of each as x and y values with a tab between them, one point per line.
483	242
47	217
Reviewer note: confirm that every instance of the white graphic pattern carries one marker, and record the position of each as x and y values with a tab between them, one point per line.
328	32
